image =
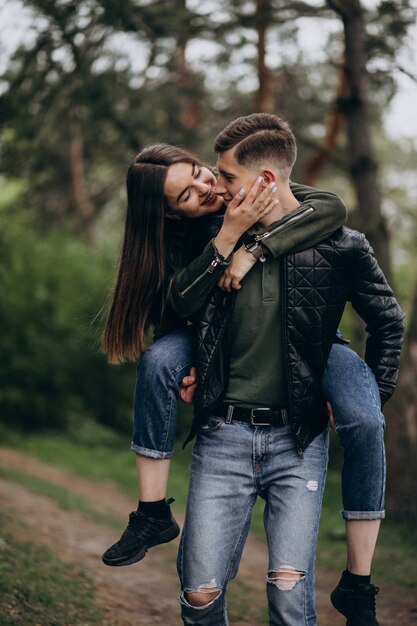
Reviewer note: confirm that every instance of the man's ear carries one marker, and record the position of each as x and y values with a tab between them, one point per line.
268	177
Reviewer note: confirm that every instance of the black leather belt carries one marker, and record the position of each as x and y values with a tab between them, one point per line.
259	416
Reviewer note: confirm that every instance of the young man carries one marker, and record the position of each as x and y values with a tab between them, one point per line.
260	412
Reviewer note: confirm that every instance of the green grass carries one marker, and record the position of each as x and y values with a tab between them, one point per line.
38	588
112	460
87	453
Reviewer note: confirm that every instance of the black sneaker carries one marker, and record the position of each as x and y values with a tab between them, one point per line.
357	605
141	533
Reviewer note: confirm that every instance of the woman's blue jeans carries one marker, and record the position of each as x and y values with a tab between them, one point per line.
348	383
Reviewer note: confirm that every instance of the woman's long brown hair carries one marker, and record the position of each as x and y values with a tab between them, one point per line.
138	297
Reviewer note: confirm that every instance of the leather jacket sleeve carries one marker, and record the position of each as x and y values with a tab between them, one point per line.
191	285
320	214
373	299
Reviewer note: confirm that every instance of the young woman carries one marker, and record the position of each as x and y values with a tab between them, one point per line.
168	189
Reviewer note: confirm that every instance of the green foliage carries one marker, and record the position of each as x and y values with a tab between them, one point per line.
51	372
38	588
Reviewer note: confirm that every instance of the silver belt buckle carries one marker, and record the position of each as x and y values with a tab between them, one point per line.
252	416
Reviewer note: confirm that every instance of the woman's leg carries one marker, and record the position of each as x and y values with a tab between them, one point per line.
152	478
351	389
160	372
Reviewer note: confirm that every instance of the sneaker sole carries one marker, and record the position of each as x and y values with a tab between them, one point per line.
165	537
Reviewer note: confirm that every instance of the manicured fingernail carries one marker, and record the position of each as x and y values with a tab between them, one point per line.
260	179
274	188
241	191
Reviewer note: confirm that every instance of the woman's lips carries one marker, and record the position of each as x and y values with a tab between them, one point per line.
210	199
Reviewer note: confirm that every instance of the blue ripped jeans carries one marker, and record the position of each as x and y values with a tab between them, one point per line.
232	464
348	383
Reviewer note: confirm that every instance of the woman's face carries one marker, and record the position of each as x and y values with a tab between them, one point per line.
189	190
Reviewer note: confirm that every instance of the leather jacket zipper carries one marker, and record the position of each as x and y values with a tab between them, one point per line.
209	270
291	220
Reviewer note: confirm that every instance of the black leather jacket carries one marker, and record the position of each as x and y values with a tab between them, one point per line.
316	284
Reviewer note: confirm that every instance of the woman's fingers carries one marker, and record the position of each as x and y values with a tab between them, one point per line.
255	202
254	190
266	207
229	281
266	201
243	212
236	201
241	196
224	282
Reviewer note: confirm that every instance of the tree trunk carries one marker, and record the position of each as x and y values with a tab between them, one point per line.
189	105
362	164
401	412
264	97
189	113
401	416
83	206
335	123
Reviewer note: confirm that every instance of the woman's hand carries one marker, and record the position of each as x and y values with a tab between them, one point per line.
242	213
242	262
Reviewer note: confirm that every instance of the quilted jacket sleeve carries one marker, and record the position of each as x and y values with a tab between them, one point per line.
373	299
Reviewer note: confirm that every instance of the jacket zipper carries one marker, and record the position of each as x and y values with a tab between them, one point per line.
277	229
218	344
197	417
209	270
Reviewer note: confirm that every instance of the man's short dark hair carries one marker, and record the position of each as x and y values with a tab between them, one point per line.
259	138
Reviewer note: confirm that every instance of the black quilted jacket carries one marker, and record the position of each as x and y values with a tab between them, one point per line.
316	285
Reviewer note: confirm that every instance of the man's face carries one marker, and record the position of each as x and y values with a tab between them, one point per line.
232	176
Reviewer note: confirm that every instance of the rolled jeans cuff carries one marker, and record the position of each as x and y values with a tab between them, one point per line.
153	454
362	515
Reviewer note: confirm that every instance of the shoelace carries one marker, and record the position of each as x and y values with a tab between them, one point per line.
141	525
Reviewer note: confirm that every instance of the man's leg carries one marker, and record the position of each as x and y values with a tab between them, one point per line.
352	391
294	491
159	375
221	496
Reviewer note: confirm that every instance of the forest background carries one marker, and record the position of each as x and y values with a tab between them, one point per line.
87	83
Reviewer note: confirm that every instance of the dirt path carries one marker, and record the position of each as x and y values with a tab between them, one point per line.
143	594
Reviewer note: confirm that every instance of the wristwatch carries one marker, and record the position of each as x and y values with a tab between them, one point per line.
256	248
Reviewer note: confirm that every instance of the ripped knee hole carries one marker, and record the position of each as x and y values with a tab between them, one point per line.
285	578
206	594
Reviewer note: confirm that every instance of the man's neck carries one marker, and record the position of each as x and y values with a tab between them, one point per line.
287	203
